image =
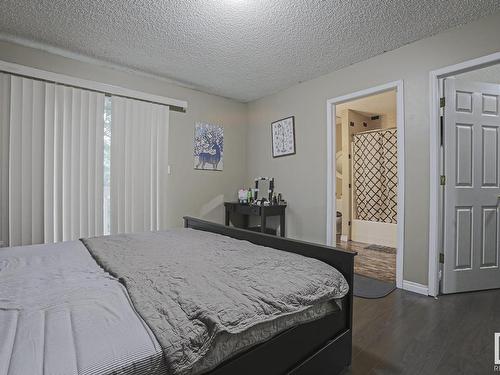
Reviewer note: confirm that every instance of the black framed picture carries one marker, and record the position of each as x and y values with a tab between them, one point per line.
283	137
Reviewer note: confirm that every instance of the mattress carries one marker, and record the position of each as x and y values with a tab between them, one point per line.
207	296
60	313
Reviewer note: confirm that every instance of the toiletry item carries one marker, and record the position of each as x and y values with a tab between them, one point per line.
254	195
242	195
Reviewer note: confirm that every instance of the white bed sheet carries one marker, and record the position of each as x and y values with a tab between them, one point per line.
60	313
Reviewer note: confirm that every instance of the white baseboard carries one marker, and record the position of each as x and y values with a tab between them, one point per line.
343	238
415	287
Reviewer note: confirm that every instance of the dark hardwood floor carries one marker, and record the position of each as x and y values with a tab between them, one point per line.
407	333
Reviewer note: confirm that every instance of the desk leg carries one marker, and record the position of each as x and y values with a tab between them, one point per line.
228	213
263	223
282	225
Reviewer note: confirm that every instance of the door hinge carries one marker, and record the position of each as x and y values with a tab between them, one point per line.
442	180
349	223
441	258
442	102
349	186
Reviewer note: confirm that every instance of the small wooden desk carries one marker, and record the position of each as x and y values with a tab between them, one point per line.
239	213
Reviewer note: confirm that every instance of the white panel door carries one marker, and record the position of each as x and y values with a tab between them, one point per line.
472	192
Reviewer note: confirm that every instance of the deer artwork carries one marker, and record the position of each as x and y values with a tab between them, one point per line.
206	157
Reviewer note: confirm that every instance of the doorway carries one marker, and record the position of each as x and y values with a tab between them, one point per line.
464	247
365	202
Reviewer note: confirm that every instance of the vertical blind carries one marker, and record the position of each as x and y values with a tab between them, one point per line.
4	156
54	152
138	165
52	160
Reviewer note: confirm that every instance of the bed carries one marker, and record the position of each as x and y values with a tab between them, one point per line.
124	305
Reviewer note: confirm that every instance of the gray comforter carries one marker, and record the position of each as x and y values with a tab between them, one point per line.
199	291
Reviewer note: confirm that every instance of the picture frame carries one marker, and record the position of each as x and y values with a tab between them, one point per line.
208	147
283	137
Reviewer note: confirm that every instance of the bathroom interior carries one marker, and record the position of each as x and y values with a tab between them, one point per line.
366	183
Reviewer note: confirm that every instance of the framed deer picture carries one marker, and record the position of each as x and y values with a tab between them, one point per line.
208	146
283	137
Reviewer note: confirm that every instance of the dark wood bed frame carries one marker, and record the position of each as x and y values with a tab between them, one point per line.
321	347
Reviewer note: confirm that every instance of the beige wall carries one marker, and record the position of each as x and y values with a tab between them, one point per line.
302	177
384	122
191	192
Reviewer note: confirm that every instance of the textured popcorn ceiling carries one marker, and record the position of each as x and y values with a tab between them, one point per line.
242	49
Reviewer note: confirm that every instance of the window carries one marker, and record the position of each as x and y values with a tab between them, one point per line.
107	166
60	177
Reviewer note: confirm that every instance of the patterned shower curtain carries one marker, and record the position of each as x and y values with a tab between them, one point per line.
375	176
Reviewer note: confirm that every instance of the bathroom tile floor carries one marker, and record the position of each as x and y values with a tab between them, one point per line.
377	264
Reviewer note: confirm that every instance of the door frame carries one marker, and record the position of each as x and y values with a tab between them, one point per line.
435	214
331	150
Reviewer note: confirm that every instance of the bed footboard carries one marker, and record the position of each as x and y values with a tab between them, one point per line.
329	339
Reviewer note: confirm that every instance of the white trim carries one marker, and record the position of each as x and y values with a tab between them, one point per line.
330	186
415	287
401	183
433	279
331	215
434	190
87	84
